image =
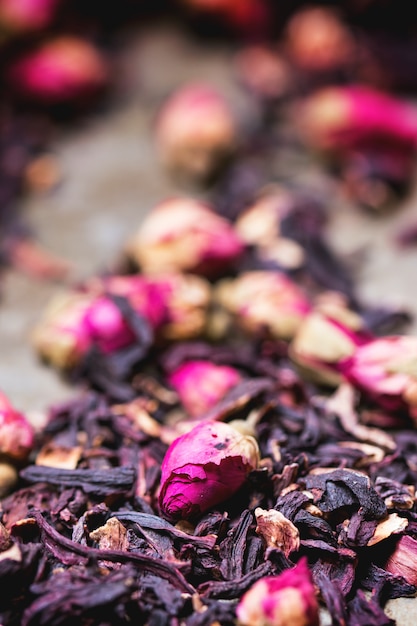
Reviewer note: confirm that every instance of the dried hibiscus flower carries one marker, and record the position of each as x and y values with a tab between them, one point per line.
203	468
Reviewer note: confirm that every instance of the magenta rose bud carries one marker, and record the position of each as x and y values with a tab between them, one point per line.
195	131
61	69
16	434
203	468
283	600
21	16
337	119
201	384
105	326
385	370
265	301
183	234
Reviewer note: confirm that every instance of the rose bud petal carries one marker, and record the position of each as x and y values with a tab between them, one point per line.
264	301
326	339
204	467
145	297
186	299
61	69
316	40
21	16
105	326
201	384
342	118
195	132
385	370
183	234
288	599
264	72
403	561
61	337
16	433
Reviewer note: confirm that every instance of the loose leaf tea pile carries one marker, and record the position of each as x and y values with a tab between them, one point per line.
242	448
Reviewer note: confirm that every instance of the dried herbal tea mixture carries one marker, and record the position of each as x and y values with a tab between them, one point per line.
241	449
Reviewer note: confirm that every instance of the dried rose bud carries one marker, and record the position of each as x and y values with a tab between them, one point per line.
61	69
283	600
385	370
21	16
16	434
317	40
195	132
203	468
201	384
403	561
343	118
326	339
76	320
263	72
264	301
186	300
260	226
182	234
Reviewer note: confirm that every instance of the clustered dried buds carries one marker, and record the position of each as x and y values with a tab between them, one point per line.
183	234
201	384
59	70
283	600
203	468
195	132
17	436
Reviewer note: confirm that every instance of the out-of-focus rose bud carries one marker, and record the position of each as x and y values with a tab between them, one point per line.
186	299
201	384
316	40
285	600
249	17
264	72
260	226
183	234
195	132
21	16
76	320
16	434
385	370
343	118
327	338
403	561
265	302
59	70
203	468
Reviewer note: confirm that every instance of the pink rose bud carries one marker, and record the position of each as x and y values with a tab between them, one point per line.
264	72
21	16
16	434
317	40
201	384
182	234
343	118
61	69
203	468
106	327
385	370
195	131
186	300
327	338
283	600
263	301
